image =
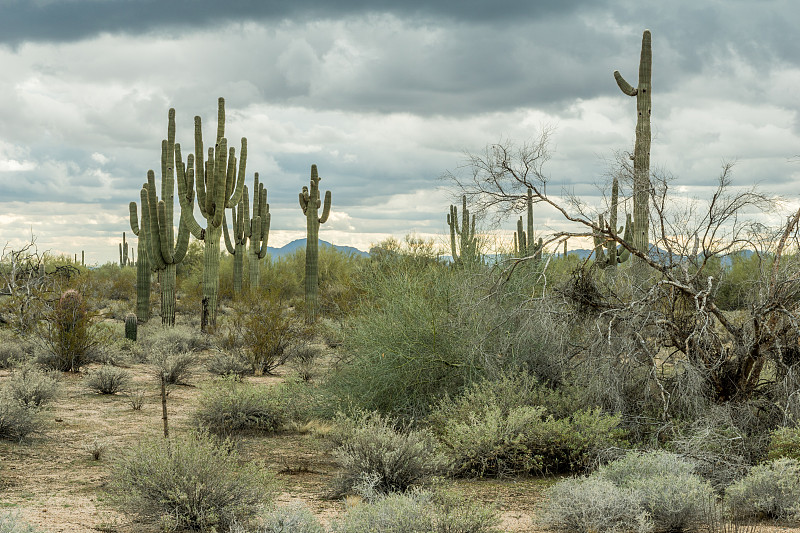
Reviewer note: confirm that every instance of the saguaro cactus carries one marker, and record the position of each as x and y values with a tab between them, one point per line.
163	254
526	246
215	182
259	232
310	203
240	222
613	254
123	252
641	151
464	249
143	264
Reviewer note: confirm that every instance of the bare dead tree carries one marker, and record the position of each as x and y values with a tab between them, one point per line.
670	321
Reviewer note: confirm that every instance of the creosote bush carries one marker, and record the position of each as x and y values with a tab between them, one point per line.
387	455
108	380
10	522
175	366
69	334
501	427
32	387
17	422
194	482
293	518
228	406
771	489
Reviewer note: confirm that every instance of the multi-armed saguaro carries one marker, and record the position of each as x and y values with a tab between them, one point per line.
215	192
163	254
524	242
465	251
143	264
613	254
310	203
641	151
259	232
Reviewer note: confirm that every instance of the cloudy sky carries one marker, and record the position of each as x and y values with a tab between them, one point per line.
383	96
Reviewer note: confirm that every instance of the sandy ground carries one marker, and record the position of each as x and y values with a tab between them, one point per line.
54	482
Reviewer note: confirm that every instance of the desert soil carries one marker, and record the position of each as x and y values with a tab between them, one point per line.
54	482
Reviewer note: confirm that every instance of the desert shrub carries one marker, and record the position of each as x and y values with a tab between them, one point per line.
666	486
303	359
784	442
265	331
417	512
17	422
405	349
193	482
108	380
592	504
176	367
228	364
13	349
395	456
69	334
177	339
31	387
499	427
228	406
293	518
770	489
11	523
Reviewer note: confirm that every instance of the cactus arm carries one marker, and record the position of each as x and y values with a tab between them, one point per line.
220	119
522	239
220	173
134	218
199	172
265	222
164	224
226	235
150	199
186	194
624	86
238	191
326	210
530	214
244	216
304	200
182	245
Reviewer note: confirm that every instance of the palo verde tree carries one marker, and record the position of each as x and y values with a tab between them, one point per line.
310	203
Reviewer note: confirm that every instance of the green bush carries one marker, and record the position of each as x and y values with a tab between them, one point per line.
592	504
665	485
784	442
70	335
178	339
193	482
11	523
498	427
31	387
418	512
17	422
108	380
771	489
228	406
387	456
13	349
294	518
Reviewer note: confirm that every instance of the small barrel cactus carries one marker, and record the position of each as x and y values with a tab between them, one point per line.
131	325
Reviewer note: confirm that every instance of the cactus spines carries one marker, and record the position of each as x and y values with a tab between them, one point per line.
143	264
220	186
465	251
163	254
641	151
131	325
310	203
259	232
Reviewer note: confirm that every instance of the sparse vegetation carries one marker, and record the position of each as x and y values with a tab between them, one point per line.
108	380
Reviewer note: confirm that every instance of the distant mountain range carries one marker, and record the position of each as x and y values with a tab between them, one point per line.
290	248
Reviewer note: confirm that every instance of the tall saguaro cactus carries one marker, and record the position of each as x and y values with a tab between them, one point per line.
143	264
259	232
165	255
219	186
310	203
464	249
641	151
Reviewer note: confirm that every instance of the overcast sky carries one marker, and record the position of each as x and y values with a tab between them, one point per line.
383	96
